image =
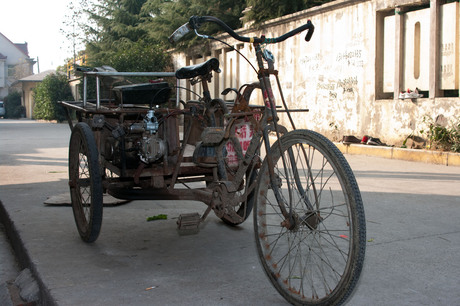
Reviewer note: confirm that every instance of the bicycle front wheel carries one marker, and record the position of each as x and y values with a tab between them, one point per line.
309	221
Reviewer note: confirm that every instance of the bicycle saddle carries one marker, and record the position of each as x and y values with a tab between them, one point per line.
189	72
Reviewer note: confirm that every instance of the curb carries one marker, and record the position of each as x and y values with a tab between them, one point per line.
23	257
426	156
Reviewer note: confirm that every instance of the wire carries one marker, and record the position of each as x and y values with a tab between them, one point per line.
231	47
189	91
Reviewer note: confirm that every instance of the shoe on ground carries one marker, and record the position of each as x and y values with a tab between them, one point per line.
414	94
375	142
350	139
365	139
409	94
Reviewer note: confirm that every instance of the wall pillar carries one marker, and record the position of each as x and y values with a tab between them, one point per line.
399	52
435	28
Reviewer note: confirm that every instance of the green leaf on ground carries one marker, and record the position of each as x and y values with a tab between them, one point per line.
157	217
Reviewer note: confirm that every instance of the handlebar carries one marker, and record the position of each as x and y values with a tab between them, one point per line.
195	23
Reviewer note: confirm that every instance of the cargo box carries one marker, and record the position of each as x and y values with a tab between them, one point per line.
148	93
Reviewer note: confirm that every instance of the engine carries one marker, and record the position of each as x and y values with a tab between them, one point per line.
140	141
151	147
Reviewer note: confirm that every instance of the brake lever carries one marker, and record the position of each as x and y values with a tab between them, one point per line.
195	22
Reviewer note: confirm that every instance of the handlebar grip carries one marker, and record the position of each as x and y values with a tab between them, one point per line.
179	33
310	31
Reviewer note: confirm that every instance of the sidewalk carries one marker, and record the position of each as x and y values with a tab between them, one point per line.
425	156
412	258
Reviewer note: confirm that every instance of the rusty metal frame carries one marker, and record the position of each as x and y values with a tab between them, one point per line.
99	74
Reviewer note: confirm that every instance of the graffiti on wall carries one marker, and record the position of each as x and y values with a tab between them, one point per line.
448	54
351	58
338	80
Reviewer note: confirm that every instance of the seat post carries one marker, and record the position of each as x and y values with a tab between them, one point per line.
204	82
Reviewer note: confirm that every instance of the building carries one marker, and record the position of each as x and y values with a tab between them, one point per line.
350	76
15	64
27	89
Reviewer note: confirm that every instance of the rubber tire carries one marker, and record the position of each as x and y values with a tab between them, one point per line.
85	182
311	251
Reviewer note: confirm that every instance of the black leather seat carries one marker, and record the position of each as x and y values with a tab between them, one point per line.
189	72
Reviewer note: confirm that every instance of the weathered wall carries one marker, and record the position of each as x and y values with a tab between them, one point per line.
351	72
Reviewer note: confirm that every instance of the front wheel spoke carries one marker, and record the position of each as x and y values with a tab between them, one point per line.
333	244
273	244
296	265
322	187
323	259
285	259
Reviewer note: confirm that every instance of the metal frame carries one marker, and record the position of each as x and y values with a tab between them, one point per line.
123	74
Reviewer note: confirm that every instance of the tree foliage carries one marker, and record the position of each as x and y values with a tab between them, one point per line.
263	10
54	88
117	38
114	24
166	15
131	35
13	107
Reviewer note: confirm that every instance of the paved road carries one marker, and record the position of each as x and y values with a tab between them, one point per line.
413	248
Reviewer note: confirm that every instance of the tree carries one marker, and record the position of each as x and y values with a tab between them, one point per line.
114	27
54	88
73	25
114	24
118	32
115	37
13	107
139	56
166	16
263	10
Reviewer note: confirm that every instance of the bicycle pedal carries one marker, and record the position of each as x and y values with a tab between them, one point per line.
189	223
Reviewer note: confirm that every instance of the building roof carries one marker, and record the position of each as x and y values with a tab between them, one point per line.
37	77
3	56
21	47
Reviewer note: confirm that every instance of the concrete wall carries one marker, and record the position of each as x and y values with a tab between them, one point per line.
449	44
363	53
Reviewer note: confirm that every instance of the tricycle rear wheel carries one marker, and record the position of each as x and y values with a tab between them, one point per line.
85	182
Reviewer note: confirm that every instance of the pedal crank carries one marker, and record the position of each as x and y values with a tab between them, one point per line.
224	201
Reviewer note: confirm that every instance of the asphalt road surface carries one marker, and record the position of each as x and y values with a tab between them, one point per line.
413	231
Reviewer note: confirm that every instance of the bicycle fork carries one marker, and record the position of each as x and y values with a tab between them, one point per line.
270	110
292	221
291	174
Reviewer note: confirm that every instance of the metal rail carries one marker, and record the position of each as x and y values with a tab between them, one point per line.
98	74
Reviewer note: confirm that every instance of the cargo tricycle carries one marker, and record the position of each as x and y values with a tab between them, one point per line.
235	157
